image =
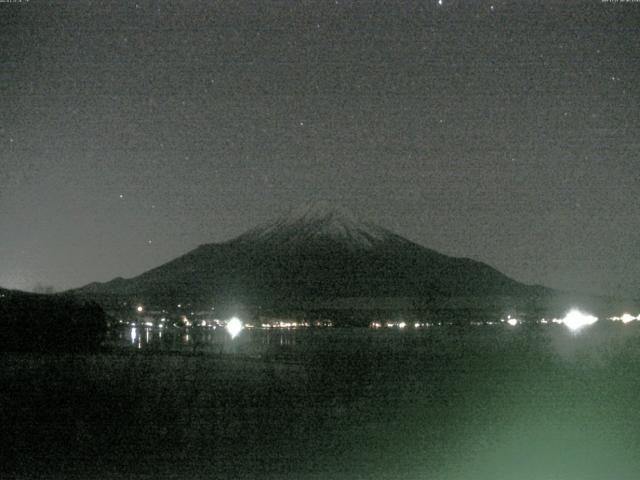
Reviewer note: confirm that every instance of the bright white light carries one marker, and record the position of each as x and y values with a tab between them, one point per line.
513	322
402	325
575	320
234	327
140	308
627	317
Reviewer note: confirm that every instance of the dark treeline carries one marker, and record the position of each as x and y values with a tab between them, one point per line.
49	323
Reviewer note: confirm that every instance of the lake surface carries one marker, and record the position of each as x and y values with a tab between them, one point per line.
256	341
338	403
293	342
296	342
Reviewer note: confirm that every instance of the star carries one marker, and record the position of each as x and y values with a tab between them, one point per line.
439	2
121	196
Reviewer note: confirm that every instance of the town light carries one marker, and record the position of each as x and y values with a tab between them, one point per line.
575	320
627	317
140	308
234	327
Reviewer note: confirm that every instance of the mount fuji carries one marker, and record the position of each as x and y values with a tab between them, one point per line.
317	256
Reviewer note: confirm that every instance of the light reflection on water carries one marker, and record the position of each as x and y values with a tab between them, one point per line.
203	339
290	343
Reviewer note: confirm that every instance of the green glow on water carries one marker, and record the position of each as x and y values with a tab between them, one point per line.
440	405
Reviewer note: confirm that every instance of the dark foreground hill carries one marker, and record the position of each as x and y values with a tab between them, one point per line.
317	257
36	322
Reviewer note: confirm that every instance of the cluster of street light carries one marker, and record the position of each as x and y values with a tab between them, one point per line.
399	324
625	318
574	320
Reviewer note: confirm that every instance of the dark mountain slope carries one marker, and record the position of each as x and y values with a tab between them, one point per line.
316	252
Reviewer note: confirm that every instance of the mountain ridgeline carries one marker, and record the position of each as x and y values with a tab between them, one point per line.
317	256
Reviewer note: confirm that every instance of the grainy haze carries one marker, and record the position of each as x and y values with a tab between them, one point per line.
502	131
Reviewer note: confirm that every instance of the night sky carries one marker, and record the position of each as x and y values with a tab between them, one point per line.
508	132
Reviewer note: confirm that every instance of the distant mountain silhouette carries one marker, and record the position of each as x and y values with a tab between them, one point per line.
320	254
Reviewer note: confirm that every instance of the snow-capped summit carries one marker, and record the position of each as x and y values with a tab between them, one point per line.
320	220
320	211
